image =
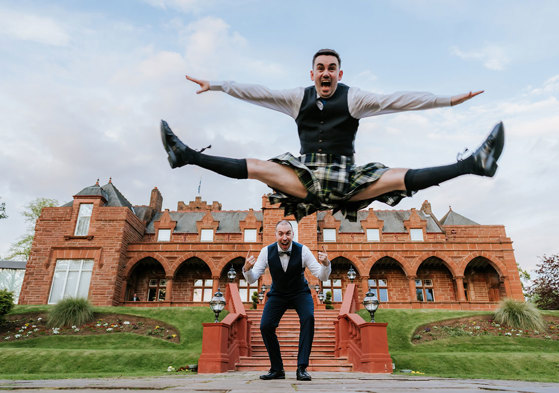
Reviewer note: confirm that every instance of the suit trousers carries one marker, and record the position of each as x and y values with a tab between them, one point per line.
275	307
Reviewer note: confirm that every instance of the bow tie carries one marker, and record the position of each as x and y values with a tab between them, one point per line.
288	253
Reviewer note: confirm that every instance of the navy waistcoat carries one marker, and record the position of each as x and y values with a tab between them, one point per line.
291	281
330	130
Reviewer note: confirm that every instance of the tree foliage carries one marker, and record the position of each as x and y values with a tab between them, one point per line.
545	288
3	210
21	249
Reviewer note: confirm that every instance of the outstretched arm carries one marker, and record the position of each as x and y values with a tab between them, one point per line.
464	97
286	101
204	85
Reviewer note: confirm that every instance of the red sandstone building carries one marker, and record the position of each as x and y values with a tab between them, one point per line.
102	247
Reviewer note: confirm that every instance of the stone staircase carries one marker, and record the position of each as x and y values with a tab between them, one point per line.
322	355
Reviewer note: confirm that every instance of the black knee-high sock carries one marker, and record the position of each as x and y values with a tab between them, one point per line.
419	179
230	167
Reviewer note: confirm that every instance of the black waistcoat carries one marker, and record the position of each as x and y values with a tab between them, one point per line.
292	281
330	130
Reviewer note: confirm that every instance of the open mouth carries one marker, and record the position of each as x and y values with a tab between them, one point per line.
325	83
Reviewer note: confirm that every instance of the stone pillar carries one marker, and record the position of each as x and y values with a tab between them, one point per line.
459	280
411	283
169	289
364	285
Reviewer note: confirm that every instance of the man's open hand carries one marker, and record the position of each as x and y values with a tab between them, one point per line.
204	85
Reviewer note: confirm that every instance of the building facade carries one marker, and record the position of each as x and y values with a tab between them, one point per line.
102	247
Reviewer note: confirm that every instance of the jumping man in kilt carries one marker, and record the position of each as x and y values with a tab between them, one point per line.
327	114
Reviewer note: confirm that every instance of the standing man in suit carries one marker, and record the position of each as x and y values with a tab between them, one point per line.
287	261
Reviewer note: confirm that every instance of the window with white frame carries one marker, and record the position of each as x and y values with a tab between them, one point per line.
329	235
250	235
334	286
424	290
246	289
373	235
84	217
416	235
379	286
71	279
295	230
207	235
202	290
157	289
164	235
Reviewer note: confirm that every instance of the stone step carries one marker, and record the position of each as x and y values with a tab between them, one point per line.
290	363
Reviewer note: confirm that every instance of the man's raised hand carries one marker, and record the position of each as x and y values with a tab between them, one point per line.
204	85
249	262
323	257
455	100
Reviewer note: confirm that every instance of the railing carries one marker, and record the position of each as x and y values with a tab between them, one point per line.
365	344
223	343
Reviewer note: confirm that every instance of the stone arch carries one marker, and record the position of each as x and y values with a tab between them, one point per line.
420	259
158	257
435	281
482	281
226	260
146	277
193	280
388	279
358	266
491	258
397	258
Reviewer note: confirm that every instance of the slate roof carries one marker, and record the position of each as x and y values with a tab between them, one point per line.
18	265
111	194
393	221
453	218
186	221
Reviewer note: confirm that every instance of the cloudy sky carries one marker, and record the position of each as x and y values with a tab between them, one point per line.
84	85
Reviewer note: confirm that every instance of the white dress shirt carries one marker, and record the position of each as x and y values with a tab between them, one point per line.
308	261
361	103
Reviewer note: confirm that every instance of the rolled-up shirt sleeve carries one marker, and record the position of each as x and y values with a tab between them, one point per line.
259	267
316	268
364	104
286	101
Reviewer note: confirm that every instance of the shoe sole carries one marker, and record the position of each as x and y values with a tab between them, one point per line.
171	157
499	134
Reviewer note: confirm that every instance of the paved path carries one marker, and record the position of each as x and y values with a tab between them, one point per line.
248	382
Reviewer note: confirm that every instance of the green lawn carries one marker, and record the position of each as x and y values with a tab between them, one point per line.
126	354
520	358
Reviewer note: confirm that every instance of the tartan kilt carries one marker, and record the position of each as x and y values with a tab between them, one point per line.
331	180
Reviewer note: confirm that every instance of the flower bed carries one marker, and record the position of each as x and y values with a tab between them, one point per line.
481	326
29	325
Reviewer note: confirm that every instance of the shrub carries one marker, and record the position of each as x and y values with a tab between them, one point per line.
6	302
328	301
71	311
519	315
255	300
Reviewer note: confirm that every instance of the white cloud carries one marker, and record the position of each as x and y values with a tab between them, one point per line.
493	57
29	27
185	6
550	86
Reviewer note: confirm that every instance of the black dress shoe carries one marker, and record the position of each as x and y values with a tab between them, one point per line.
486	156
178	153
302	374
273	374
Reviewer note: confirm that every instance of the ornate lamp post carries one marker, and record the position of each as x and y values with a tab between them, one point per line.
231	274
371	304
351	274
217	304
321	297
261	296
264	288
317	288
